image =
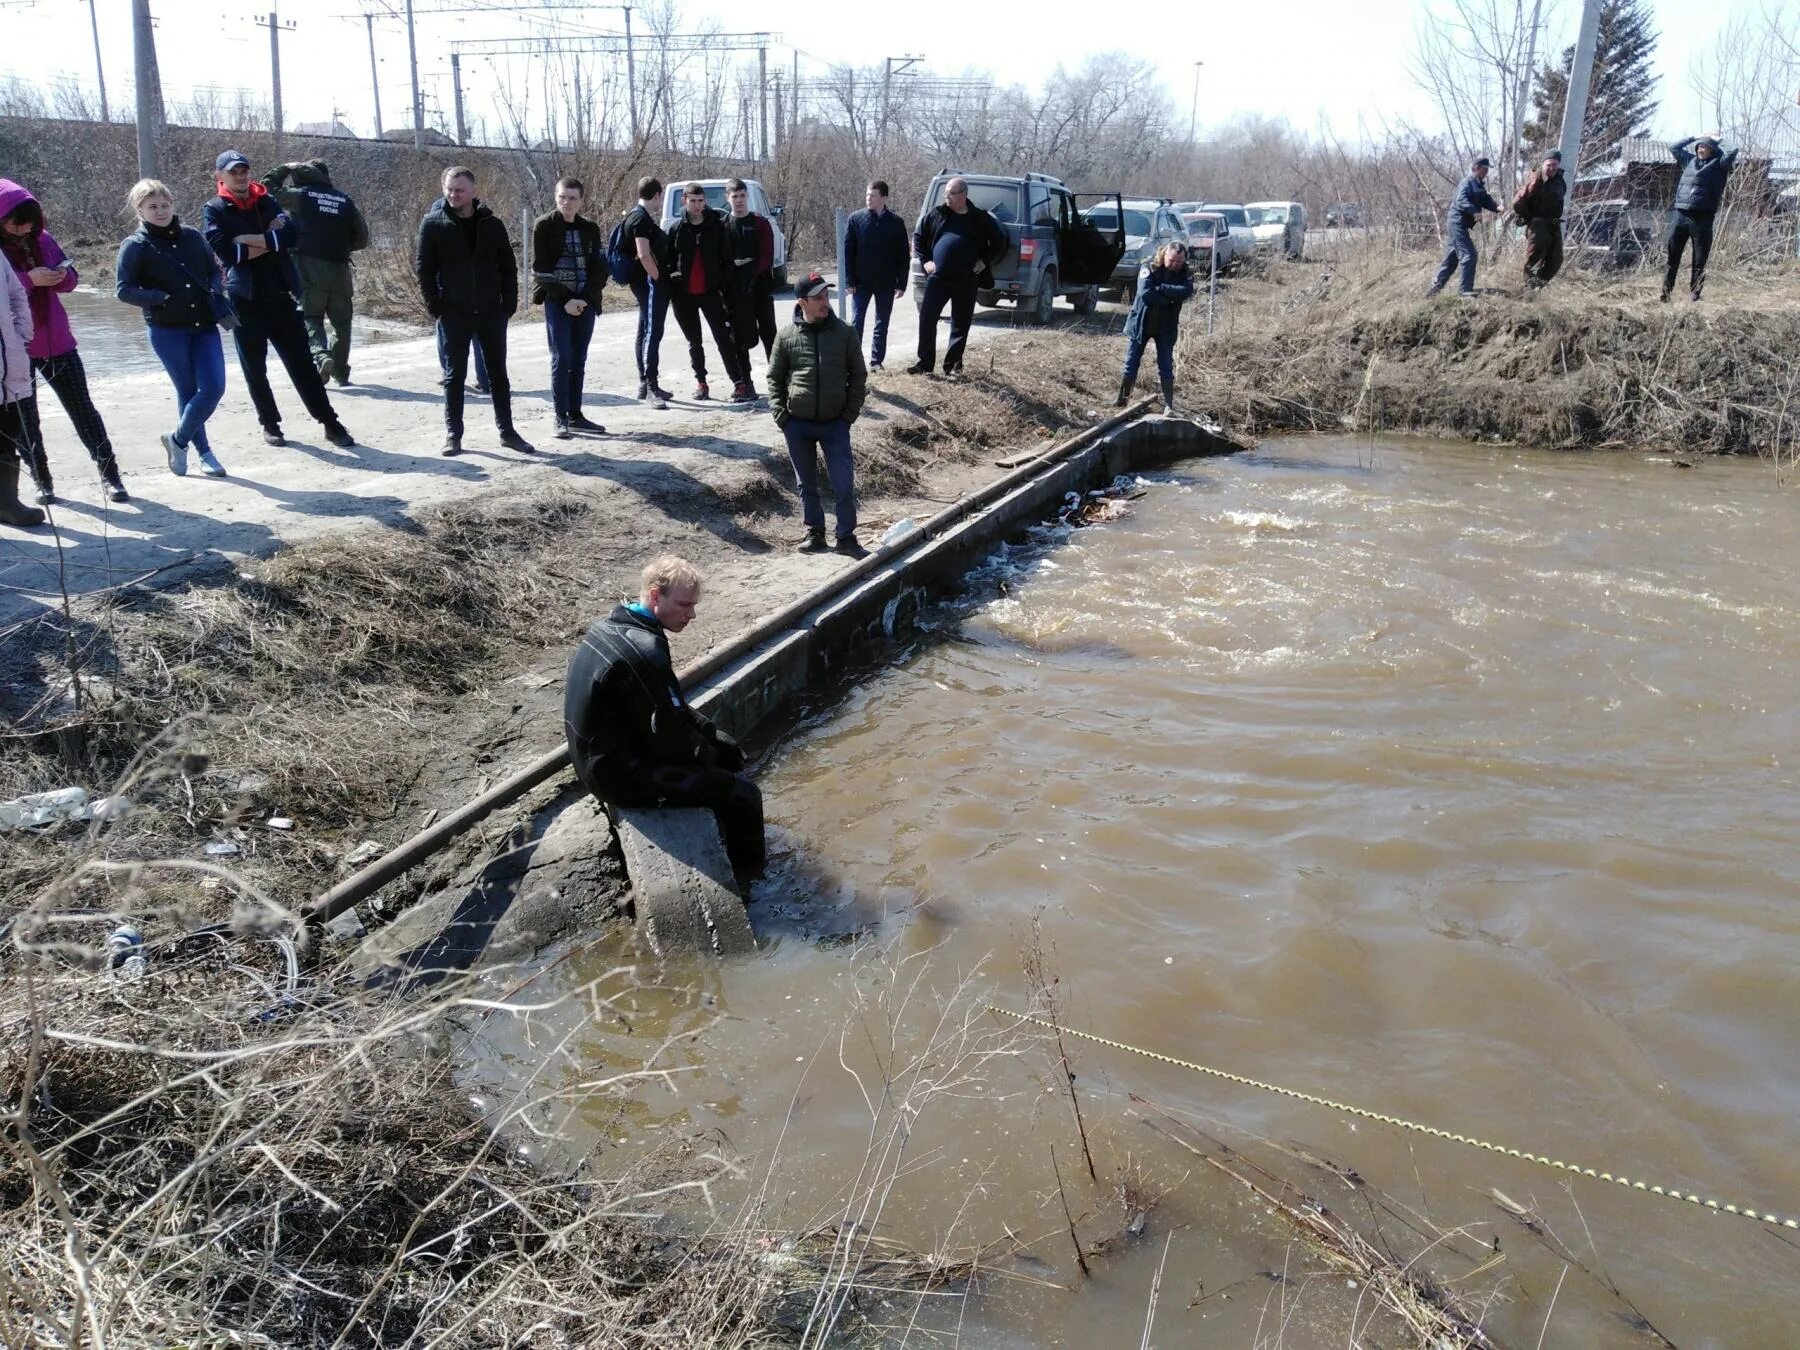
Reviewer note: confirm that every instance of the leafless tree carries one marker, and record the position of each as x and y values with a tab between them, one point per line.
1474	58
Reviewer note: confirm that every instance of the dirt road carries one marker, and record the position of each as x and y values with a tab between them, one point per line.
308	489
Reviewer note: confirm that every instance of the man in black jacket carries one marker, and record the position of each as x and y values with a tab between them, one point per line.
467	276
254	238
699	267
1704	170
752	242
633	739
568	268
958	244
330	230
877	265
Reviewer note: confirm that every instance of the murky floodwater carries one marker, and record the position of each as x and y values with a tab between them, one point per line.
112	340
1452	782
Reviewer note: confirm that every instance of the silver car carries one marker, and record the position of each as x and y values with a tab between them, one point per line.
1149	224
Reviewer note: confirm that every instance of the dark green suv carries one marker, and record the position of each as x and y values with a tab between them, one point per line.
1051	250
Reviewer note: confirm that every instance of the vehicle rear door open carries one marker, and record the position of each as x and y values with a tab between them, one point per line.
1088	252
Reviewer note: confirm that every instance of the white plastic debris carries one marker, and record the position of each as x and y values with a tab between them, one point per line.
44	808
366	852
347	927
281	823
904	528
126	946
222	848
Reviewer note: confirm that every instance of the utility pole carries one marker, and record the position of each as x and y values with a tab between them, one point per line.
779	124
762	98
412	59
887	90
462	134
274	24
1194	108
1580	75
374	79
794	99
631	76
99	69
149	89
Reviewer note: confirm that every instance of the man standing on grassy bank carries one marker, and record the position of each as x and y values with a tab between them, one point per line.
633	739
1471	200
817	383
1704	170
958	244
1539	208
464	264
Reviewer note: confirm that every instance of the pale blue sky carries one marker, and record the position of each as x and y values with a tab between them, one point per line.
1302	60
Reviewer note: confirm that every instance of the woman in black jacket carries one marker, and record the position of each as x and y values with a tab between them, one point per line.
568	268
167	270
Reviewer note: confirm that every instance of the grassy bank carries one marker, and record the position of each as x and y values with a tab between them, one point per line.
1591	362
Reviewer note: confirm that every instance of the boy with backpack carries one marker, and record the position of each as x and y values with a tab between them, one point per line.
637	255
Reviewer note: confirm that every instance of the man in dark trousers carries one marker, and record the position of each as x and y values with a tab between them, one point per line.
633	739
254	238
958	245
699	268
1471	200
650	286
877	266
568	268
752	289
470	283
817	383
1704	169
330	230
1538	205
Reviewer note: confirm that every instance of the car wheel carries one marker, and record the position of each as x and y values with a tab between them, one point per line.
1039	313
1087	300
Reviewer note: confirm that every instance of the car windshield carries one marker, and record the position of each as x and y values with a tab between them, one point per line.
1268	215
1234	215
1000	200
715	198
1137	223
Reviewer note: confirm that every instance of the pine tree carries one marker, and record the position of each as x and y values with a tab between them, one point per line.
1621	95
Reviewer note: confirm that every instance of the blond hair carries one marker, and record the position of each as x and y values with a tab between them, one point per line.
146	188
665	572
1162	254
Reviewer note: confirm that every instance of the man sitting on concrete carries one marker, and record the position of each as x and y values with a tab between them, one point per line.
634	740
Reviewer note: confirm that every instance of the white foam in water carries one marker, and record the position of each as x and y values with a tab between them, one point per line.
1268	520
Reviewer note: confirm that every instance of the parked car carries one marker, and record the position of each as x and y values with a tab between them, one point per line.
1148	224
715	198
1185	208
1611	233
1343	216
1278	227
1209	235
1235	219
1052	248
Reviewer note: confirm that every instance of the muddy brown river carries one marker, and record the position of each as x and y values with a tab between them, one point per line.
1456	783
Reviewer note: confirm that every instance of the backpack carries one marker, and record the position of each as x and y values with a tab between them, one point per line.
621	255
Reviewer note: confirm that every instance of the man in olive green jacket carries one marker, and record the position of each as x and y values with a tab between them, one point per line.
817	382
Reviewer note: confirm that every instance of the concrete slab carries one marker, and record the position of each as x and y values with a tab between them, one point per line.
681	882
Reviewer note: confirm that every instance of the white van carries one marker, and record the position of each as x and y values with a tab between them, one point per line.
715	198
1278	225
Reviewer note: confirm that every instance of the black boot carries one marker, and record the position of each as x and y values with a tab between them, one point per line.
12	510
1168	393
1125	383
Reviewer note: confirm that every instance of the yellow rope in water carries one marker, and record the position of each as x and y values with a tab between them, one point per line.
1671	1193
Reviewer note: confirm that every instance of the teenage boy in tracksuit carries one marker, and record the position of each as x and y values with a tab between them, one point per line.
330	229
470	285
254	238
699	267
647	242
877	265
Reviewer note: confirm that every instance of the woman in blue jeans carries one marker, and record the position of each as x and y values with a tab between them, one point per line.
1164	286
168	271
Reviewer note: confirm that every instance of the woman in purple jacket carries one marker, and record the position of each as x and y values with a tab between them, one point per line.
45	272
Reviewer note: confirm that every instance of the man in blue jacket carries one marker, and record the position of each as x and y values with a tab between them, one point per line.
253	237
877	262
1471	200
1704	170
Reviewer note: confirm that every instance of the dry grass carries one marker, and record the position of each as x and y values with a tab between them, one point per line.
1592	361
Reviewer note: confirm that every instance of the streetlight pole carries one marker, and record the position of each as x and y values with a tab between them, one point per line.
1194	109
